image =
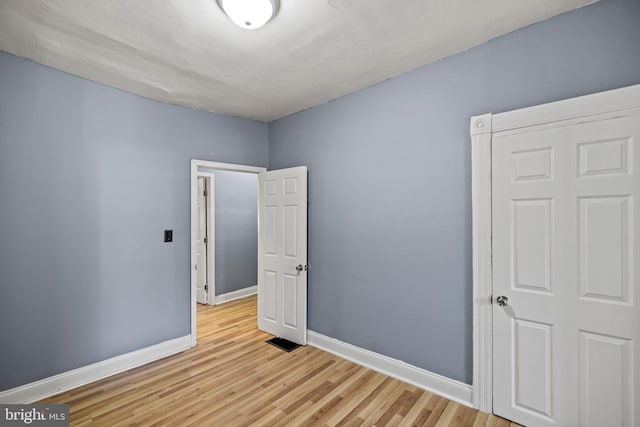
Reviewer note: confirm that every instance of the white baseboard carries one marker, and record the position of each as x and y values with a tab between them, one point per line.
231	296
65	381
442	386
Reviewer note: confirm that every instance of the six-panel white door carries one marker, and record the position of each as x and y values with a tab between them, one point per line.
566	244
282	253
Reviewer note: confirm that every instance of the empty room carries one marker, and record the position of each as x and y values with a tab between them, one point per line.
320	212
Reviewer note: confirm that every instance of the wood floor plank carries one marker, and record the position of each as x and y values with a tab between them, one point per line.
464	416
233	378
481	420
415	415
383	401
355	397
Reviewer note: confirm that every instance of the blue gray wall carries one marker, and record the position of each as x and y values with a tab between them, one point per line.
390	179
89	178
236	231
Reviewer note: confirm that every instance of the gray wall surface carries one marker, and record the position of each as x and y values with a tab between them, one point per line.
236	231
89	178
390	179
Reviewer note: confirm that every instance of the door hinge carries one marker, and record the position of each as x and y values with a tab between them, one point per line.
205	193
206	240
491	299
206	287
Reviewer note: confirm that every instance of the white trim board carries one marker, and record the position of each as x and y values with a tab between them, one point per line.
234	295
227	166
442	386
65	381
598	106
613	102
482	267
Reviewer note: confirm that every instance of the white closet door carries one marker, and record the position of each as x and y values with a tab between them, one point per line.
566	250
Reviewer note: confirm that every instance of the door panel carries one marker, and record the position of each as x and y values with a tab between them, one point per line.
531	243
290	297
604	256
532	353
565	205
282	243
605	380
268	297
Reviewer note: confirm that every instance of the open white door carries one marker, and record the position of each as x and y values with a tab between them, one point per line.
566	252
282	253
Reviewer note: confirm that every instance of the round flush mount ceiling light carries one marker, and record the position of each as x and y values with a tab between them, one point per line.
250	14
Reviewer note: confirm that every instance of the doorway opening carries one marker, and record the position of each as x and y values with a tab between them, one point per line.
234	188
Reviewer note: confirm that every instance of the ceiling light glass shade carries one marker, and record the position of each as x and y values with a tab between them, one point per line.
249	14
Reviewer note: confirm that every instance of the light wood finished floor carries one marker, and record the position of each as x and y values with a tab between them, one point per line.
233	378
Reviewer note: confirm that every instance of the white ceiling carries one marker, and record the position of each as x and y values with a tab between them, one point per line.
189	53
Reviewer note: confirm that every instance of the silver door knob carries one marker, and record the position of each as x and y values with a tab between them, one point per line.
502	301
300	267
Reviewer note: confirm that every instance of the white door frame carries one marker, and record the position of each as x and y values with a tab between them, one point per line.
195	172
599	106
